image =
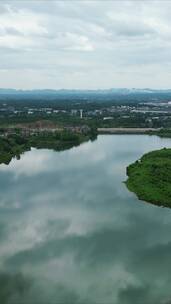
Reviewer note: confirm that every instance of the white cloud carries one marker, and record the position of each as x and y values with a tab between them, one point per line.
22	21
75	42
15	42
85	44
19	28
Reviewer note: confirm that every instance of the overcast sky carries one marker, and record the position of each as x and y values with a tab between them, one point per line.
85	44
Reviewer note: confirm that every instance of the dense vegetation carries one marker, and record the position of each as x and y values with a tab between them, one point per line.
162	133
12	146
150	177
15	145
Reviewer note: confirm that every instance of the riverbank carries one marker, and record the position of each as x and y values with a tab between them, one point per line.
149	178
128	130
15	144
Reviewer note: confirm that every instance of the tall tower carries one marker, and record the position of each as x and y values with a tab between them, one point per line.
81	113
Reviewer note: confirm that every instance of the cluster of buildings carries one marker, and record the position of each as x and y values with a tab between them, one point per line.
6	110
148	113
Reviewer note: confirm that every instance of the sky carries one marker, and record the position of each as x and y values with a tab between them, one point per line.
80	44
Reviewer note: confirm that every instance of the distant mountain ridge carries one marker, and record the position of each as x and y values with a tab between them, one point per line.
122	91
113	95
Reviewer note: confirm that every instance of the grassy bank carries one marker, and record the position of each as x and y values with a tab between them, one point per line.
150	177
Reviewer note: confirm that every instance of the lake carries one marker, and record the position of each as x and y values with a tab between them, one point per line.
71	232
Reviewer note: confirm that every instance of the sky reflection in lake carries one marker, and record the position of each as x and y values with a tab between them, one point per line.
71	232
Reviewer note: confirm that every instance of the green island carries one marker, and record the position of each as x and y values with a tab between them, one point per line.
150	177
15	143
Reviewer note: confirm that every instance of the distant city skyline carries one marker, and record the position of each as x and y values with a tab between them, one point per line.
85	44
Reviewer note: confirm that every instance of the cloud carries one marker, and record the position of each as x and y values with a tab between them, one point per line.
77	42
69	44
122	26
22	21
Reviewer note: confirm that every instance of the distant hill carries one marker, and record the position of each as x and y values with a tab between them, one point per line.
113	95
120	91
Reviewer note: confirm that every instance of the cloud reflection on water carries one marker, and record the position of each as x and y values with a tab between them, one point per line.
71	228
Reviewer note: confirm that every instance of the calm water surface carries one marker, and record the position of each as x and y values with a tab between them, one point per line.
71	232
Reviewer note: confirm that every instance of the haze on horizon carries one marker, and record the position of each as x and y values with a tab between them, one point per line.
85	44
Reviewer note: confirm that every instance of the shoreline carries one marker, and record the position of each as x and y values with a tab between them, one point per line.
15	145
128	130
149	177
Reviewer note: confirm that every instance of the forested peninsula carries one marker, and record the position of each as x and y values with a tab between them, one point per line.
150	177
